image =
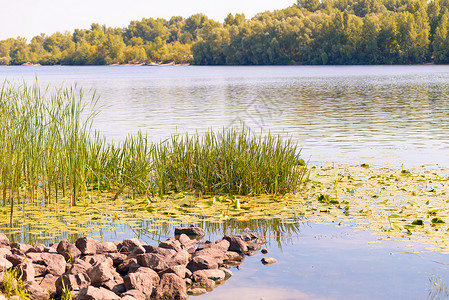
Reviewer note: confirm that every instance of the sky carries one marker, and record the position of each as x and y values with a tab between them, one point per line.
28	18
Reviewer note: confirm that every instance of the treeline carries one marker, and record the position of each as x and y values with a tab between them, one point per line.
308	32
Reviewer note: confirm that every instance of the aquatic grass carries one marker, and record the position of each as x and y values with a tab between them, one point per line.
48	152
232	161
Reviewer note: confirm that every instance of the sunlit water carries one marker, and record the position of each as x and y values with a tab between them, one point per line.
378	114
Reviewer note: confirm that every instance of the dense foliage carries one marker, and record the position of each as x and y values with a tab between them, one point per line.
308	32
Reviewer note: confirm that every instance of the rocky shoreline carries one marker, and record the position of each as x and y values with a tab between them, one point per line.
128	269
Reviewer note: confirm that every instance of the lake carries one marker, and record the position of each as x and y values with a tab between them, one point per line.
381	115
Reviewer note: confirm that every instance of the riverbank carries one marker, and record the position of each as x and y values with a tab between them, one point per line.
128	269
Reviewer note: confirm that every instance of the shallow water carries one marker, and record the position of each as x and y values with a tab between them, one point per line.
397	115
376	114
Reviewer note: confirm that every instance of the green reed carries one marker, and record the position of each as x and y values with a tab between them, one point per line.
48	151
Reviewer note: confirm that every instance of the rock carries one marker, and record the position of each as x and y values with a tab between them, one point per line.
68	250
202	262
159	250
87	245
215	252
190	231
117	258
4	264
213	274
4	252
179	270
95	259
180	258
28	271
38	248
208	284
223	245
40	270
197	291
119	288
227	272
55	263
128	297
268	260
78	266
135	294
261	241
186	242
236	244
264	250
4	241
231	255
15	259
107	247
36	291
188	281
93	293
99	274
75	282
48	283
139	281
132	245
154	261
20	249
129	265
253	246
171	286
171	244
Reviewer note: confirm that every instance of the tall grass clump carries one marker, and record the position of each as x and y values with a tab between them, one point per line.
48	152
230	161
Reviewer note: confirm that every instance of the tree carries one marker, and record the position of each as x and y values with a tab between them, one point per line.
441	40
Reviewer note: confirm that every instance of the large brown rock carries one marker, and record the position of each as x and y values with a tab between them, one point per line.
171	243
75	282
95	259
214	251
55	263
15	259
180	270
190	231
4	264
48	283
213	274
132	246
4	241
78	266
107	247
40	270
93	293
139	281
87	245
186	242
104	274
133	294
159	250
21	249
36	291
236	244
154	261
68	250
171	286
28	271
202	262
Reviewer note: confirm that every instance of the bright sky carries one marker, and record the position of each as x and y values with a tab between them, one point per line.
27	18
